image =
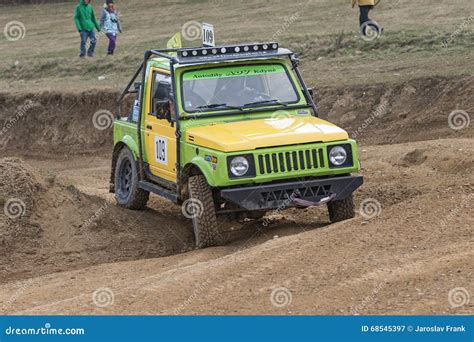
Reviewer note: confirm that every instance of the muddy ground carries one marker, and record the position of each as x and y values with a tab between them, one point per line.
409	250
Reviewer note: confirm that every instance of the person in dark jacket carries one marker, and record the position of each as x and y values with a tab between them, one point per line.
86	24
365	22
110	24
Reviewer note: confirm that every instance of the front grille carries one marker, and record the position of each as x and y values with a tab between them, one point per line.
279	162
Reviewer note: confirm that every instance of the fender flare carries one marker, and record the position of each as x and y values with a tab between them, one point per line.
198	164
129	142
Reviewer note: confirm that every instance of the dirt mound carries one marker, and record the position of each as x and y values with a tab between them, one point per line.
418	237
405	259
18	180
56	122
415	157
373	114
412	111
49	225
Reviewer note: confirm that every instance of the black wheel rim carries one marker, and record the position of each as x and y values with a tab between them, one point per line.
125	179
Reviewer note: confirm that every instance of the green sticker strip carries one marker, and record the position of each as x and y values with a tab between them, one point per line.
249	70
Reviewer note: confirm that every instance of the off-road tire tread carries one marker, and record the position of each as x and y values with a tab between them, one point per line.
341	210
139	197
206	232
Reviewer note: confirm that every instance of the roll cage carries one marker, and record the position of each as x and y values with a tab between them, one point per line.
182	60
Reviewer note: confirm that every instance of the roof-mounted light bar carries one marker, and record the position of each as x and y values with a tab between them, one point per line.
228	50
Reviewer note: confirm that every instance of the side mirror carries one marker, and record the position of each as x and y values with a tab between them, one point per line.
311	92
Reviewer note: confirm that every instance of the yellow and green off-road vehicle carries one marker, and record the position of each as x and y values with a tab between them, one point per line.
229	130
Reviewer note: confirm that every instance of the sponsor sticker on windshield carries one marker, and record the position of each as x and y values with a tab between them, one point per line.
248	70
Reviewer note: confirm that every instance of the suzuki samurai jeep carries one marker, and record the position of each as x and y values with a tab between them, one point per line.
229	131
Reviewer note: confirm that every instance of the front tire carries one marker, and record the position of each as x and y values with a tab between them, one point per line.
341	210
203	213
127	193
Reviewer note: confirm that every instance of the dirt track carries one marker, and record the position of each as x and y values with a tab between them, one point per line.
73	242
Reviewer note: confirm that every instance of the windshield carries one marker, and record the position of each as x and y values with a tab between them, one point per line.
237	87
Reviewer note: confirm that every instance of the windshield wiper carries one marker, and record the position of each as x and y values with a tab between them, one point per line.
218	105
273	101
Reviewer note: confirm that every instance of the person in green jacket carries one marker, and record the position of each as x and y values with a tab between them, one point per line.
86	23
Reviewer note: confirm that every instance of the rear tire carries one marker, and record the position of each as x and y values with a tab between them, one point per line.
127	193
341	210
203	212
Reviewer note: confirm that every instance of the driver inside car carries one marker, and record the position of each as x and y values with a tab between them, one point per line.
240	90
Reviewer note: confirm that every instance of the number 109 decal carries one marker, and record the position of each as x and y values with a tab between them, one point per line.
161	150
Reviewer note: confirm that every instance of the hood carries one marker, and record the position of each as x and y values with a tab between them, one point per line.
252	134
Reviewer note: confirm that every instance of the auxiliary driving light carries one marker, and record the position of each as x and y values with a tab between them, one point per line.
228	50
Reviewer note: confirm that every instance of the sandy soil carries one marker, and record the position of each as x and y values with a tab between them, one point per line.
408	250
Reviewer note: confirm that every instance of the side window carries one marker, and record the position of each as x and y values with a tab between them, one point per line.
158	77
136	103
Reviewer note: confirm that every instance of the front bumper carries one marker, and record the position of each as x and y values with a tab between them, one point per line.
282	195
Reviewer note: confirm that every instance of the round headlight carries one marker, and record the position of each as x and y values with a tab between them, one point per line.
239	166
337	155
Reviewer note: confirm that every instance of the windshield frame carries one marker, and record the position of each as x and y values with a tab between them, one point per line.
227	111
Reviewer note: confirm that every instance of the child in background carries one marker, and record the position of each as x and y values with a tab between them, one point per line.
110	25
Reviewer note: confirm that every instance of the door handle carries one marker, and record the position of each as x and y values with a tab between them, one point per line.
149	127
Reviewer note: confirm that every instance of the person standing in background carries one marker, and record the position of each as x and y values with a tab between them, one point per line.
86	23
365	6
110	24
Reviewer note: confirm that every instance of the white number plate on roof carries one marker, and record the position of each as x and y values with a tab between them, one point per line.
208	35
